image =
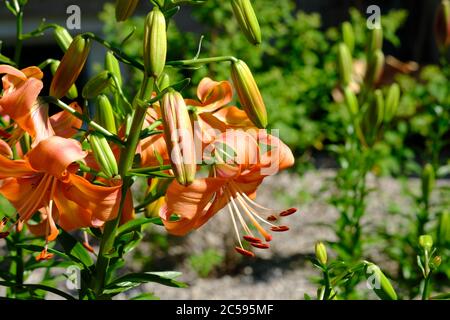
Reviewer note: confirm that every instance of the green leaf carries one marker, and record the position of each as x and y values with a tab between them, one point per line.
132	280
75	249
135	224
443	296
38	287
145	296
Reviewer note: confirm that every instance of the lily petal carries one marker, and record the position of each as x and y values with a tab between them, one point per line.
189	203
65	124
14	168
212	94
102	202
54	155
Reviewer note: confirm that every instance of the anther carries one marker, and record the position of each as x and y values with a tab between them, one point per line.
252	239
260	245
280	229
244	252
288	212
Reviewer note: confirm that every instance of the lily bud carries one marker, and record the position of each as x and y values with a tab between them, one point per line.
63	38
428	180
345	62
444	228
442	24
351	101
375	68
125	9
155	43
96	85
246	17
249	94
436	262
426	242
104	114
321	253
70	67
348	35
72	94
179	137
113	66
379	282
375	41
392	102
103	154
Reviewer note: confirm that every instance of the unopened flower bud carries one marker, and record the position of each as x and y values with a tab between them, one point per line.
104	114
428	180
249	95
375	68
321	253
70	67
155	43
345	63
72	94
63	38
426	242
375	41
112	65
442	24
125	9
103	154
436	262
247	20
179	137
379	283
392	102
96	85
444	228
351	101
348	35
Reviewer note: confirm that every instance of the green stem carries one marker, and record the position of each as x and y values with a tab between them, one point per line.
19	30
125	163
426	288
117	52
196	62
94	125
150	169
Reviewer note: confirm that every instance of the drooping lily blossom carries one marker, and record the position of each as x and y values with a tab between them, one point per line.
232	184
46	179
153	149
20	100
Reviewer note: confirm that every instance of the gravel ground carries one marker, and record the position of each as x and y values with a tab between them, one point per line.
284	271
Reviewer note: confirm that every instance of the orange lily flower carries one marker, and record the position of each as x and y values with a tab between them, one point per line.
154	147
212	113
46	178
233	186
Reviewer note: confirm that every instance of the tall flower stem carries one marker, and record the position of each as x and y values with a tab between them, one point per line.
19	30
125	164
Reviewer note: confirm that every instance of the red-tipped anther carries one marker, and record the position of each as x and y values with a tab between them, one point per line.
280	229
288	212
244	252
44	255
272	218
3	235
88	247
260	245
252	239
